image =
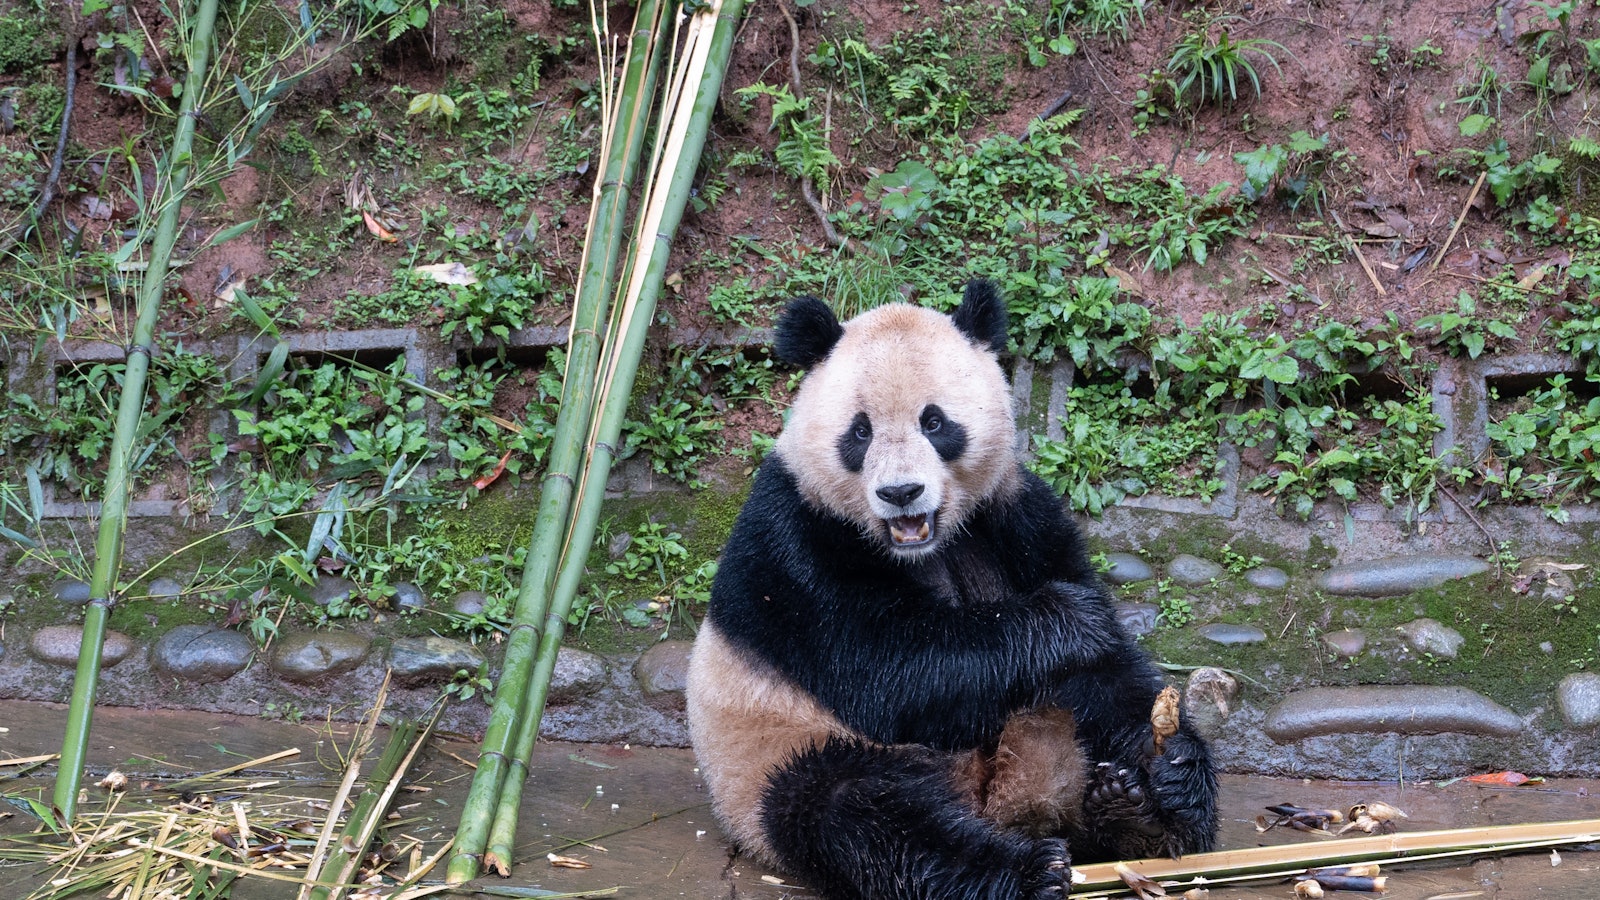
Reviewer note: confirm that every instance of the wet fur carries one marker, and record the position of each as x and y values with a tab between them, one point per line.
890	725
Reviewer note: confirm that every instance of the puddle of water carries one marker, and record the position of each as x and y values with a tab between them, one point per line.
647	808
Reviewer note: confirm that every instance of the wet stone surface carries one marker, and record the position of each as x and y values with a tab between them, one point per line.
1138	619
1346	642
1579	696
578	673
72	591
1396	575
1127	568
408	596
663	673
432	658
201	653
1376	709
166	588
1192	570
1228	635
1209	698
469	603
309	656
332	589
1432	637
59	646
1267	578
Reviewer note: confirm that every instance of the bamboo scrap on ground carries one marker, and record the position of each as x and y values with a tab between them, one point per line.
1288	860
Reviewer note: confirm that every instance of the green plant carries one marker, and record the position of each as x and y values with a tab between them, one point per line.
1208	65
1545	449
1464	330
1481	95
495	305
1176	611
1237	562
803	150
1292	170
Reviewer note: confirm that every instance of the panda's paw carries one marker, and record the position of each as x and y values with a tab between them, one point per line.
1047	871
1128	821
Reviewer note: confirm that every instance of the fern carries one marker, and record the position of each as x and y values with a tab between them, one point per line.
1583	146
803	150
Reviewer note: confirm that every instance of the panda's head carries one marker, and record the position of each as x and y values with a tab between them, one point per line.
903	424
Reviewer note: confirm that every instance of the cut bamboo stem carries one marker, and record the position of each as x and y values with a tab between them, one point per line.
130	407
607	224
685	125
1288	859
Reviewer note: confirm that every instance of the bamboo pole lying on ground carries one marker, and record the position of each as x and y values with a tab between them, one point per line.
1286	860
130	408
684	124
623	139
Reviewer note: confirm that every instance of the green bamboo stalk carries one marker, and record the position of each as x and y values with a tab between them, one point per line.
405	741
607	224
130	407
652	247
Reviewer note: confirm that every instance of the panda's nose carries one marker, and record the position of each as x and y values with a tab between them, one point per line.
900	494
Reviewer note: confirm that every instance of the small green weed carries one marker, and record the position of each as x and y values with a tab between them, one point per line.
1207	62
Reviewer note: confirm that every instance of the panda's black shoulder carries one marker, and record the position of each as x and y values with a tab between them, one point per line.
1031	525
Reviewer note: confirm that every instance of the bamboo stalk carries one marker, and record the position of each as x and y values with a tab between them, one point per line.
1289	859
405	741
130	407
685	127
358	751
601	249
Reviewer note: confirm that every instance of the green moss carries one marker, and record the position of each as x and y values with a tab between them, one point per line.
146	620
28	38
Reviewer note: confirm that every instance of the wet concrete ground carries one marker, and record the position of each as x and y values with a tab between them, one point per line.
647	808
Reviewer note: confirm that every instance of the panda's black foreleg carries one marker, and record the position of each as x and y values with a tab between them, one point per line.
1140	802
856	821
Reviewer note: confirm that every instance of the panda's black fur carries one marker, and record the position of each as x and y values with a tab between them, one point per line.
922	660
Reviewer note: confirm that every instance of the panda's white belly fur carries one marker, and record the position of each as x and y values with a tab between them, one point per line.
746	720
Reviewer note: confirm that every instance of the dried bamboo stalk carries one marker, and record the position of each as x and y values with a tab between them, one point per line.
1100	879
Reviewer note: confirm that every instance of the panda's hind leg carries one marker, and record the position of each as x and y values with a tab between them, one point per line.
866	822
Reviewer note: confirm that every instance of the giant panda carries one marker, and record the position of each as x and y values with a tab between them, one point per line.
910	682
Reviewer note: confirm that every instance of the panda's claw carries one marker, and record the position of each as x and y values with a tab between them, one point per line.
1047	871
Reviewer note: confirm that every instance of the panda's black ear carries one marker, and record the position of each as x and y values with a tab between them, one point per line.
982	314
806	333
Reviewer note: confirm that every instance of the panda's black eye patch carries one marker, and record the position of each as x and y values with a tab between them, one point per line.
852	445
949	439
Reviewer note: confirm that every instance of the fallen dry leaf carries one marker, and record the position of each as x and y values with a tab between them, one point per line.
1506	778
566	862
1144	888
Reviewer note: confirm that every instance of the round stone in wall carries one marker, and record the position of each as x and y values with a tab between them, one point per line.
1267	578
432	658
1138	619
1127	568
72	591
1397	575
1579	696
408	596
1208	699
201	653
59	645
1432	636
663	673
578	674
1192	570
1346	642
332	589
311	655
469	603
166	588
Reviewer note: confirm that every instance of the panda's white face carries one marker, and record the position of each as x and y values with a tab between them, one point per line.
904	428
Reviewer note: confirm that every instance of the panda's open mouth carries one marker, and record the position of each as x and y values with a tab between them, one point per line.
911	531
